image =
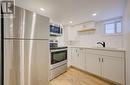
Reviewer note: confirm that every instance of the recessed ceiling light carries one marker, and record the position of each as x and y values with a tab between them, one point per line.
70	22
42	9
94	14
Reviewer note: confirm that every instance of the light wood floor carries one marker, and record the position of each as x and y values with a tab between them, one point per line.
75	77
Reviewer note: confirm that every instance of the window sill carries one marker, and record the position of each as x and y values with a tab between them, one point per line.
118	34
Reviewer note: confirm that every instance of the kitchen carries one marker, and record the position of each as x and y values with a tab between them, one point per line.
66	43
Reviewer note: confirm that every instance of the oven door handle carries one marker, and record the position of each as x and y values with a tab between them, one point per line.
58	50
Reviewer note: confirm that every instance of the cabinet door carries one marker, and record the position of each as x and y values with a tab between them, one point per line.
113	69
81	58
75	57
92	64
69	56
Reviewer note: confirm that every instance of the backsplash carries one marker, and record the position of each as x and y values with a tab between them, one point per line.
90	39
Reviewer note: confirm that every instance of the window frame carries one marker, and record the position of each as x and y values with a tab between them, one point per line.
115	28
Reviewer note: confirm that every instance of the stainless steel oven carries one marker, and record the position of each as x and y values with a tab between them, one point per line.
58	63
58	55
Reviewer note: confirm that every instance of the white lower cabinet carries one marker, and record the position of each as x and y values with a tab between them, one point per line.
74	57
69	56
92	64
113	69
78	57
81	58
106	64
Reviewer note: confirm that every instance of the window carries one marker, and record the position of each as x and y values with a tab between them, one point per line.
113	28
118	27
110	28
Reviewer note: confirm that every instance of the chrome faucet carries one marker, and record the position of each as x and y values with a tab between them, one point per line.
102	43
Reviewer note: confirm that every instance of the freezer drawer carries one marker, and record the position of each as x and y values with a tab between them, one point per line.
27	25
26	61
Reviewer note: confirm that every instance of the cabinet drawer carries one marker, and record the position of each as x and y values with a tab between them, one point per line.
57	71
106	53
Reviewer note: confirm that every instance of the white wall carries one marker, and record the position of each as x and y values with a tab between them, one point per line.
91	38
127	40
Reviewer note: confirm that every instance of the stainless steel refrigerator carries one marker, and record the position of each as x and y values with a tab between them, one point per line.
26	48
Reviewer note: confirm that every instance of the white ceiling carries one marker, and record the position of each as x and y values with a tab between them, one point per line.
78	11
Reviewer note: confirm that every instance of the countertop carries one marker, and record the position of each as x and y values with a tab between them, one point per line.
98	48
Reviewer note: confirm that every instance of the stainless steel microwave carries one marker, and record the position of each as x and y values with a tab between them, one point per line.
55	30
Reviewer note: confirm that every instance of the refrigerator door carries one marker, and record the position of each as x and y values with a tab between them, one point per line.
11	62
27	25
13	26
26	62
36	26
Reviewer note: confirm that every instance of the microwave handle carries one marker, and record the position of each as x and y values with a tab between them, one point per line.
61	30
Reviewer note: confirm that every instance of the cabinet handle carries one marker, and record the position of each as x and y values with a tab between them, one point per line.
81	48
102	60
99	59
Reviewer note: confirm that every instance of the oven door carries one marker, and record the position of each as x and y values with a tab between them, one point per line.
58	55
